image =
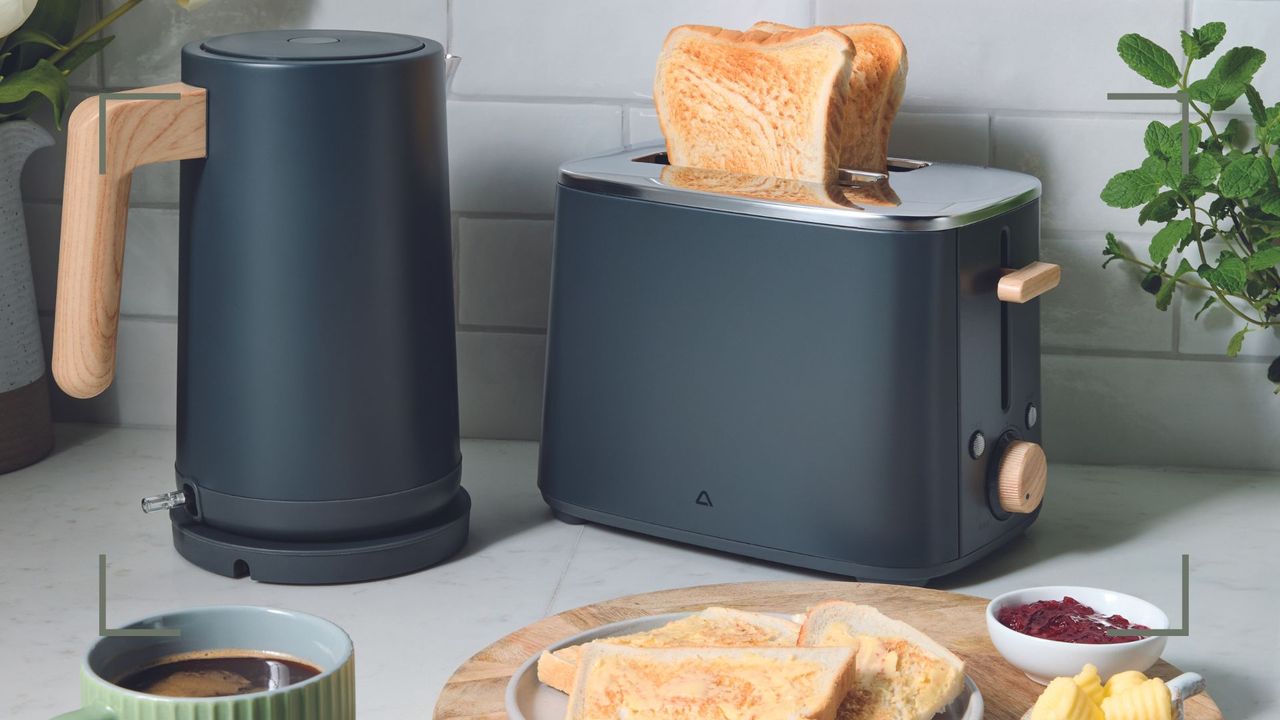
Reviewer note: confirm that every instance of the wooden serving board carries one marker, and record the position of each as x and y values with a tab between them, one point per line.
476	689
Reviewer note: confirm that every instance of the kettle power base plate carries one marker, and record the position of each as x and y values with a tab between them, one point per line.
323	563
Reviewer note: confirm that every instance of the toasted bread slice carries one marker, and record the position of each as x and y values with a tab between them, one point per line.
902	673
615	681
756	187
713	627
756	103
877	83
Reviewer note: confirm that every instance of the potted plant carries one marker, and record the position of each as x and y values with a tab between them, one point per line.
39	50
1217	199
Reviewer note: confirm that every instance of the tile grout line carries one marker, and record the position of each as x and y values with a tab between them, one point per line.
1099	353
564	571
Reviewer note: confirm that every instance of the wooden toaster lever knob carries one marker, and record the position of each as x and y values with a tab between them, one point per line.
1023	473
1024	284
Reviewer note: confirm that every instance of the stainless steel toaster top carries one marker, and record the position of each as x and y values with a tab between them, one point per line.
913	195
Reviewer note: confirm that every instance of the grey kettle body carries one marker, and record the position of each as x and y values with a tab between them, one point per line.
317	403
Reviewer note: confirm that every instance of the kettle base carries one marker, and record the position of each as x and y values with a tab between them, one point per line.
324	563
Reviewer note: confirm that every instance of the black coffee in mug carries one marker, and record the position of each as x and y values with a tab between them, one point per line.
218	673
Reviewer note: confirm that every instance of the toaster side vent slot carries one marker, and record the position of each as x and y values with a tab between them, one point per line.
1005	360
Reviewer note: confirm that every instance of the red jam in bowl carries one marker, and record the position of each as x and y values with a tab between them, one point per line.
1067	620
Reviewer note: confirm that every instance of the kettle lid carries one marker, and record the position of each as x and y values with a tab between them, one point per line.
311	45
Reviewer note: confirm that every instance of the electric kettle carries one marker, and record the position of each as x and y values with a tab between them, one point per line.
317	411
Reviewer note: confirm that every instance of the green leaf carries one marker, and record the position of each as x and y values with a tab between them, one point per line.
1161	141
76	58
1271	205
44	80
1245	176
1130	188
1215	92
1207	303
1256	108
1238	65
1165	294
1263	259
1235	134
1219	207
1168	236
1209	35
1162	209
1269	132
1190	46
1203	168
1165	172
1229	275
55	18
1148	60
31	35
1114	250
1237	340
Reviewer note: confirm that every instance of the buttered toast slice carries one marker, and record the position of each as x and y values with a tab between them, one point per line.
713	627
754	102
902	674
615	681
877	82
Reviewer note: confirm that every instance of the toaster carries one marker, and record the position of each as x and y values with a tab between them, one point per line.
842	377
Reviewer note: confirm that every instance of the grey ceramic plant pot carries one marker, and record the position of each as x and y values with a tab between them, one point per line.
26	431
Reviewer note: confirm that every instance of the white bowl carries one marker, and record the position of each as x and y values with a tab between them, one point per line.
1043	660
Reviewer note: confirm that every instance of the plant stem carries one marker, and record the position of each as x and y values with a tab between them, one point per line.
94	29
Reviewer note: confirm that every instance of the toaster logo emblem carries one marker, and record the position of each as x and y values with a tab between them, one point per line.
704	499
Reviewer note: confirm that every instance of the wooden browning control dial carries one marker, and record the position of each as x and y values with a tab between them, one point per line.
1023	473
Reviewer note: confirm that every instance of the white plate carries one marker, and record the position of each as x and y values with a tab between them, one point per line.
528	699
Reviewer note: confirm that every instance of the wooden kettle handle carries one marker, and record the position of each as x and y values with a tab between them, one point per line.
95	208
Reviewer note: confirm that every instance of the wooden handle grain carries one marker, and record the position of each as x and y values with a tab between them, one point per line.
1022	477
95	207
1034	280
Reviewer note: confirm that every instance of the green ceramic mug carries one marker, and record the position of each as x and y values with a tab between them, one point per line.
327	696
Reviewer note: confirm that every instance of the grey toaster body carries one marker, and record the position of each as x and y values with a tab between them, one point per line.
796	382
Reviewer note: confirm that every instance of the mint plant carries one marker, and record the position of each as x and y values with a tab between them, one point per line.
1221	217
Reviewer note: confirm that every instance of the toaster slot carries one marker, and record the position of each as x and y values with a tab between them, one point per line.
847	176
1005	357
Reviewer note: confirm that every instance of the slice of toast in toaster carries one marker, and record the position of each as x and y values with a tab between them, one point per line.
713	627
710	683
902	674
756	187
877	82
754	102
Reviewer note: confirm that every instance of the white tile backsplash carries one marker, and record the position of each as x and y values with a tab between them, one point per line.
942	137
585	48
1015	84
1073	157
504	157
500	384
1096	308
504	271
1161	412
1017	54
149	39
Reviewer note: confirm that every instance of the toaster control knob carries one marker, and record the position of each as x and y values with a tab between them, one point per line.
1023	472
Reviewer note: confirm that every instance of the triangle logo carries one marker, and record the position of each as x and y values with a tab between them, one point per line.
704	499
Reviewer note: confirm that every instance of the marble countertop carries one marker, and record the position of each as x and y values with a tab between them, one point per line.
1119	528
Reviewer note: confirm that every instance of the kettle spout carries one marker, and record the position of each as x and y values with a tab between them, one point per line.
451	63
